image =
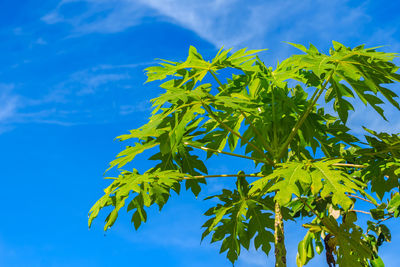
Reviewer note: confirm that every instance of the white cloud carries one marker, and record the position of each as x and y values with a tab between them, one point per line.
44	116
67	102
234	23
17	31
256	24
8	102
139	107
40	41
221	22
122	66
89	82
119	15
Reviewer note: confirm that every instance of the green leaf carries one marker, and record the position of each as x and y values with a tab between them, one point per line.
377	214
238	219
305	250
336	183
352	248
394	205
130	153
149	188
293	173
298	46
292	178
377	262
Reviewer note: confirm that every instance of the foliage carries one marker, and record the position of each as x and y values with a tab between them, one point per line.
311	167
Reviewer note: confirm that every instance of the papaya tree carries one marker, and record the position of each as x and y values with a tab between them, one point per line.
308	165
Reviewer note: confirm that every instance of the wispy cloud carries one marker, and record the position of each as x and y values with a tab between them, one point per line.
139	107
8	102
89	82
262	23
98	16
87	95
256	24
40	41
16	109
96	79
222	22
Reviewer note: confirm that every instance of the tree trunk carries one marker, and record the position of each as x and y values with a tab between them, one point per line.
280	249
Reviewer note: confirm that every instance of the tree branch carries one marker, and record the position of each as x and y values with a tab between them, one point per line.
220	175
216	78
349	165
223	152
387	218
361	198
361	211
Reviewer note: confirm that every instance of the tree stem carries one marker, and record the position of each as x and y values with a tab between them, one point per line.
361	211
216	78
220	175
361	198
280	249
349	165
223	152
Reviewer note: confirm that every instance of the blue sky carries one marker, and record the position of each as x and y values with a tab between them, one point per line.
71	79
